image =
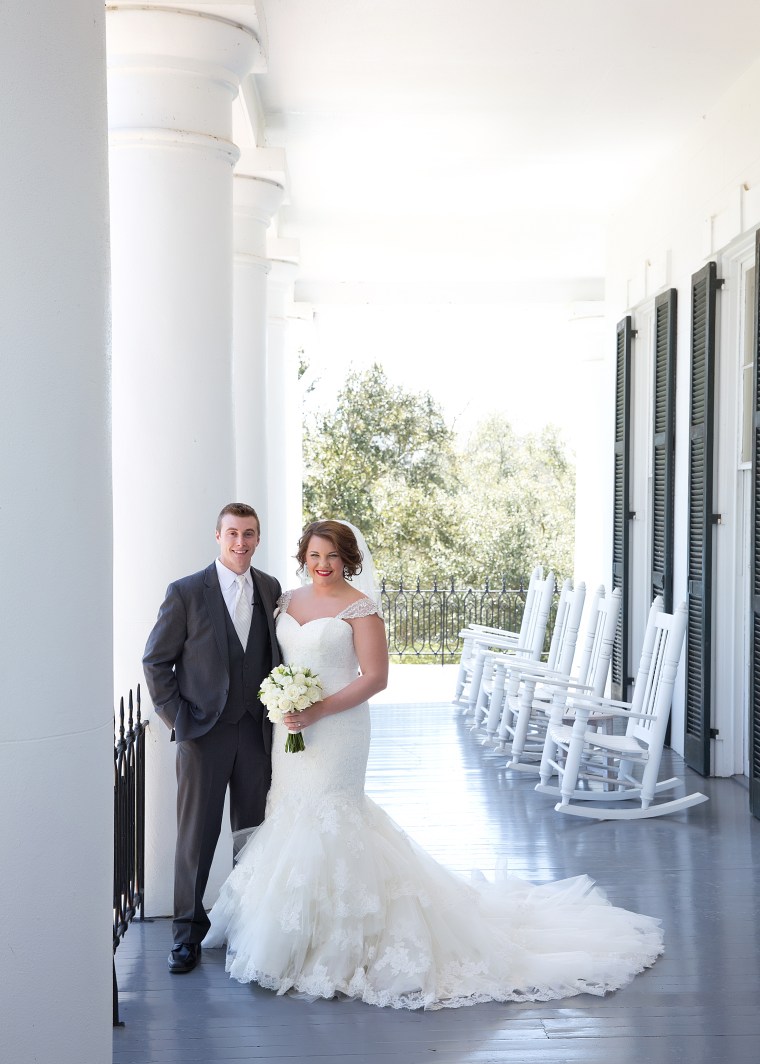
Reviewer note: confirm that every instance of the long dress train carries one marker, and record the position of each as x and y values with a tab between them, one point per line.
329	896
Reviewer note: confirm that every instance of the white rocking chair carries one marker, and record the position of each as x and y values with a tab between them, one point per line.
490	649
474	635
540	692
601	768
508	674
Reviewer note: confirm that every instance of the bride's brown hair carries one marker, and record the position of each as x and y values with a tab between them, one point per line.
341	537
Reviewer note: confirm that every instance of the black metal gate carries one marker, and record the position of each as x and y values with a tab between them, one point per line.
129	827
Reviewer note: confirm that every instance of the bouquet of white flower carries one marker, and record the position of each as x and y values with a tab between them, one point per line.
290	689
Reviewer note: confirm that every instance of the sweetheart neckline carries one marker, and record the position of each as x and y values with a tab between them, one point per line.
335	617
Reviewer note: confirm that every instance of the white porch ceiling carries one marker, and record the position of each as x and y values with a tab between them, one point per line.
439	150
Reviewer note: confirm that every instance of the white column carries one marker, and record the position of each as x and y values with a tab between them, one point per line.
255	200
56	717
286	433
172	78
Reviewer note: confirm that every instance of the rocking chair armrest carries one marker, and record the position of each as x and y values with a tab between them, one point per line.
494	656
508	657
570	685
485	629
537	670
497	643
599	702
586	707
585	714
629	714
482	634
511	662
548	681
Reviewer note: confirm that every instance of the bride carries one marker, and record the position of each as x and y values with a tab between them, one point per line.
329	896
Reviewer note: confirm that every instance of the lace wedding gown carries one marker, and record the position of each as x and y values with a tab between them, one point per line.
329	896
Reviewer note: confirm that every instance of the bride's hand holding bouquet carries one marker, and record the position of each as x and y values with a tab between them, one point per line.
289	693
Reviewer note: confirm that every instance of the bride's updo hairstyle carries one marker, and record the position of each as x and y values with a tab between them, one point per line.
341	537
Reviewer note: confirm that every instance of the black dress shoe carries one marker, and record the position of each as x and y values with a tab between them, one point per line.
184	957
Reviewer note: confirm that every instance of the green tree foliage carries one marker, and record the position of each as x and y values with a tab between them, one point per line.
385	459
516	503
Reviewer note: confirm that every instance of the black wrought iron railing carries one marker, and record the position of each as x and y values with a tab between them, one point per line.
423	624
129	826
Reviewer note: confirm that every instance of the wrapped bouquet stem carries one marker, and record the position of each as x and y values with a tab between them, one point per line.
290	689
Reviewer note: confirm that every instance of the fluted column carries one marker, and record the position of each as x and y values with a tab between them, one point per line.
56	715
285	464
255	201
173	75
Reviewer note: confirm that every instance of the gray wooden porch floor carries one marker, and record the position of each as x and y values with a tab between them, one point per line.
698	871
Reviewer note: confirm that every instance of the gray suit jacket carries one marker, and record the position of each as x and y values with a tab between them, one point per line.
186	660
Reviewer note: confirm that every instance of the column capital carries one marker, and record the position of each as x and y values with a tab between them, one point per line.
267	163
255	201
256	197
175	70
173	35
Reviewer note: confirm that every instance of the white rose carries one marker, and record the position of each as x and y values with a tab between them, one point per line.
292	692
299	679
286	706
303	703
274	714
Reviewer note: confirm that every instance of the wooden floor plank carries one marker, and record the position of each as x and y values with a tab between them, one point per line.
698	871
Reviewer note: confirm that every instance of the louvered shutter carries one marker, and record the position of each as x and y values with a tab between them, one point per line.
704	289
663	446
754	699
621	509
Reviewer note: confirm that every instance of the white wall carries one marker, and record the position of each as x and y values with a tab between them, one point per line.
594	425
694	209
56	718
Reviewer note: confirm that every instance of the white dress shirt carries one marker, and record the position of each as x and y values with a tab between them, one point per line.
229	585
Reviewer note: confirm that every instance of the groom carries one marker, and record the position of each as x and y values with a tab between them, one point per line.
212	645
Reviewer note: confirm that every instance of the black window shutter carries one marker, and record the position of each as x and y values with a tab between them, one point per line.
663	446
754	700
621	509
704	290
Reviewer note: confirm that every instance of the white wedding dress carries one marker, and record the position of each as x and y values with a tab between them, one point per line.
329	896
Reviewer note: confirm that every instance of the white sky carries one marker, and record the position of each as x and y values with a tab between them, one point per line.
474	360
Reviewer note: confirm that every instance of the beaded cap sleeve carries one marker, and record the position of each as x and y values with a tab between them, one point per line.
363	607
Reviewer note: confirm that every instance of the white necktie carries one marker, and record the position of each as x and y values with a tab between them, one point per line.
243	612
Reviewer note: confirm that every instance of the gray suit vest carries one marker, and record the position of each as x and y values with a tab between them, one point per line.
248	669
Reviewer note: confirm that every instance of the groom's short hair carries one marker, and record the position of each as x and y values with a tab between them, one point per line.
238	509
